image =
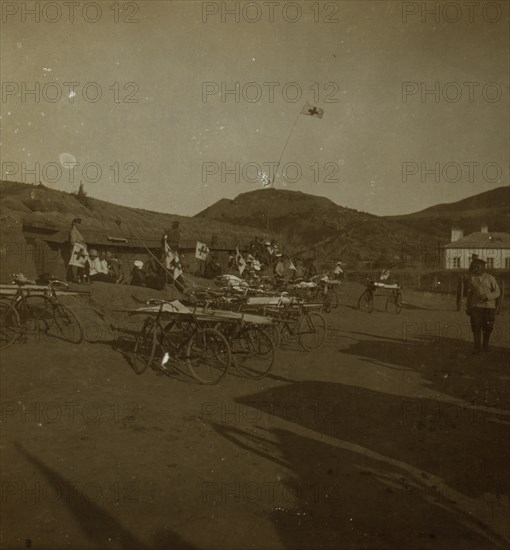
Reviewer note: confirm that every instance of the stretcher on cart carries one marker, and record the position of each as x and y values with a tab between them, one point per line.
200	314
393	298
391	286
12	289
207	340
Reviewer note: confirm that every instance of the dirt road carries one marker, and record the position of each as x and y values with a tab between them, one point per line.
390	436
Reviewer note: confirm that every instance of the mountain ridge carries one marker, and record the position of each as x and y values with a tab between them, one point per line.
308	220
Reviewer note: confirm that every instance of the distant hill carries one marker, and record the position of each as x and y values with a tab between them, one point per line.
309	221
491	208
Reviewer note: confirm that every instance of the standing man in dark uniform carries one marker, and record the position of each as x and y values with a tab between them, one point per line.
474	259
173	237
74	273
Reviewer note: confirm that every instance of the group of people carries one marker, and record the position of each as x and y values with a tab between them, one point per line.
289	268
105	267
264	256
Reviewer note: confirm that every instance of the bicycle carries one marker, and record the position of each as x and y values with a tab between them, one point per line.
251	345
296	321
366	300
394	301
292	319
9	324
326	294
36	314
252	348
205	350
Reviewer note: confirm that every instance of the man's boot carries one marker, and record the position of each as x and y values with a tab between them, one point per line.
486	338
477	337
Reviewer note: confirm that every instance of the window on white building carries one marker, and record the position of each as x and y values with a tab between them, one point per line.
507	262
490	263
456	262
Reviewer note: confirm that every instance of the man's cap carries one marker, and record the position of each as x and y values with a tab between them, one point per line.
92	252
138	263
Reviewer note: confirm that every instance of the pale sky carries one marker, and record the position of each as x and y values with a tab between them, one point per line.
366	53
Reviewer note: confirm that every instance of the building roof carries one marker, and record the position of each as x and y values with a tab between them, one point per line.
482	240
47	214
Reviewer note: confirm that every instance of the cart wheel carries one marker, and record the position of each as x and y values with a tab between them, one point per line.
334	298
208	356
9	324
311	331
68	324
366	301
398	302
287	331
499	301
460	292
252	352
273	331
145	347
394	301
36	315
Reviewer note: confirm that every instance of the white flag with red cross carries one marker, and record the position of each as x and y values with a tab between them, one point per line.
79	255
201	251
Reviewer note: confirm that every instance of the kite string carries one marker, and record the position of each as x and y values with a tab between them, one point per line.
285	146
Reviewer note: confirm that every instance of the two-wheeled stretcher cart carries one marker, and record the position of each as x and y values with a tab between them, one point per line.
293	319
208	341
391	291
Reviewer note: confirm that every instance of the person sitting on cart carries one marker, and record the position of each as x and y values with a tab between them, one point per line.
483	291
279	268
138	274
98	267
212	267
338	273
309	269
385	275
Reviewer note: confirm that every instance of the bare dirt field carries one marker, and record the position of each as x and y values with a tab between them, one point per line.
392	435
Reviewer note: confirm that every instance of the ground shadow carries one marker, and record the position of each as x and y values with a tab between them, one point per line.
360	457
447	364
99	526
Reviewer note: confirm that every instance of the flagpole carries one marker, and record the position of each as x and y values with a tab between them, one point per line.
167	272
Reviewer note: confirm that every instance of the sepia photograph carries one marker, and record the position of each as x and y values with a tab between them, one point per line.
254	274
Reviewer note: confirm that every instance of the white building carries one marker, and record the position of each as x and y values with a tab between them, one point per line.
494	248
